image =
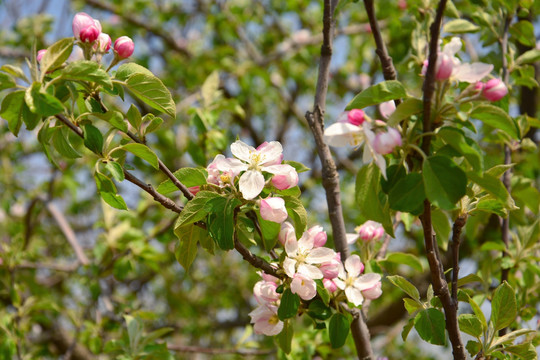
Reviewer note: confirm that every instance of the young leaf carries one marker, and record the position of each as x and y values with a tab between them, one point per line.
469	324
134	117
430	325
86	70
444	181
338	330
146	87
12	110
187	176
6	82
297	212
411	305
143	152
195	208
113	117
93	139
116	170
288	306
523	31
14	71
406	109
285	337
495	187
42	103
460	26
376	94
299	167
407	329
56	55
61	143
406	259
525	351
367	197
107	191
405	285
503	306
496	118
478	312
442	227
185	250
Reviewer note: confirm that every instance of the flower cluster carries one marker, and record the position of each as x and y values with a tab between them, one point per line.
354	128
264	318
367	232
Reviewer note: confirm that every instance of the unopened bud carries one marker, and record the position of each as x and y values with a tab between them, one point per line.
124	47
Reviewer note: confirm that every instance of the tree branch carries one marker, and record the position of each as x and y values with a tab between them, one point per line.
456	241
330	177
440	286
215	351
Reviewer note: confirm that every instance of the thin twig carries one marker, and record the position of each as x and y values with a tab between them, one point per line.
440	285
214	351
330	176
456	241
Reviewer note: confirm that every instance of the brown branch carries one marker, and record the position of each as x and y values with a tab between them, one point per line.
214	351
68	232
256	261
330	178
157	30
440	285
456	241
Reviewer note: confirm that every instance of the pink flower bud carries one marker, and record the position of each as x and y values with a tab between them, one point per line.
194	189
370	230
387	108
319	235
479	86
494	90
103	43
385	142
444	66
40	54
329	285
85	28
286	233
356	117
373	293
330	269
124	47
273	209
285	178
402	4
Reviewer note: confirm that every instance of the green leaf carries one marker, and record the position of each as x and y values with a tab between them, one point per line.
394	173
93	139
430	325
297	212
153	124
442	227
6	82
113	117
407	329
528	57
61	143
134	117
318	310
469	324
143	152
473	347
221	221
460	26
195	209
376	94
411	305
185	250
56	55
323	293
285	337
367	197
445	183
503	306
12	110
523	31
209	88
289	305
15	71
270	231
455	138
187	176
408	194
298	166
523	351
406	109
405	285
406	259
338	330
496	118
116	170
146	87
86	70
469	279
135	332
107	191
495	187
42	103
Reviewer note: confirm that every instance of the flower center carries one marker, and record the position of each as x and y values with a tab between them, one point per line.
356	139
273	320
349	281
255	160
225	178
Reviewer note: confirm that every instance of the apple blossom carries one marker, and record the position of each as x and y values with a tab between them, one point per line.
385	142
253	162
273	209
318	234
329	285
387	108
265	320
355	284
494	90
103	43
356	117
330	269
265	292
303	286
85	28
287	233
219	171
40	54
124	47
285	178
370	230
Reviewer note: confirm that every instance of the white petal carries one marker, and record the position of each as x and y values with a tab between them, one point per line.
472	73
367	281
354	295
320	255
339	283
242	150
289	267
381	163
230	164
271	152
305	243
354	265
351	238
279	169
291	246
251	184
453	46
343	134
310	271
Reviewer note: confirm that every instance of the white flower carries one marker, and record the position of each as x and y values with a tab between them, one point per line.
305	287
354	285
254	162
